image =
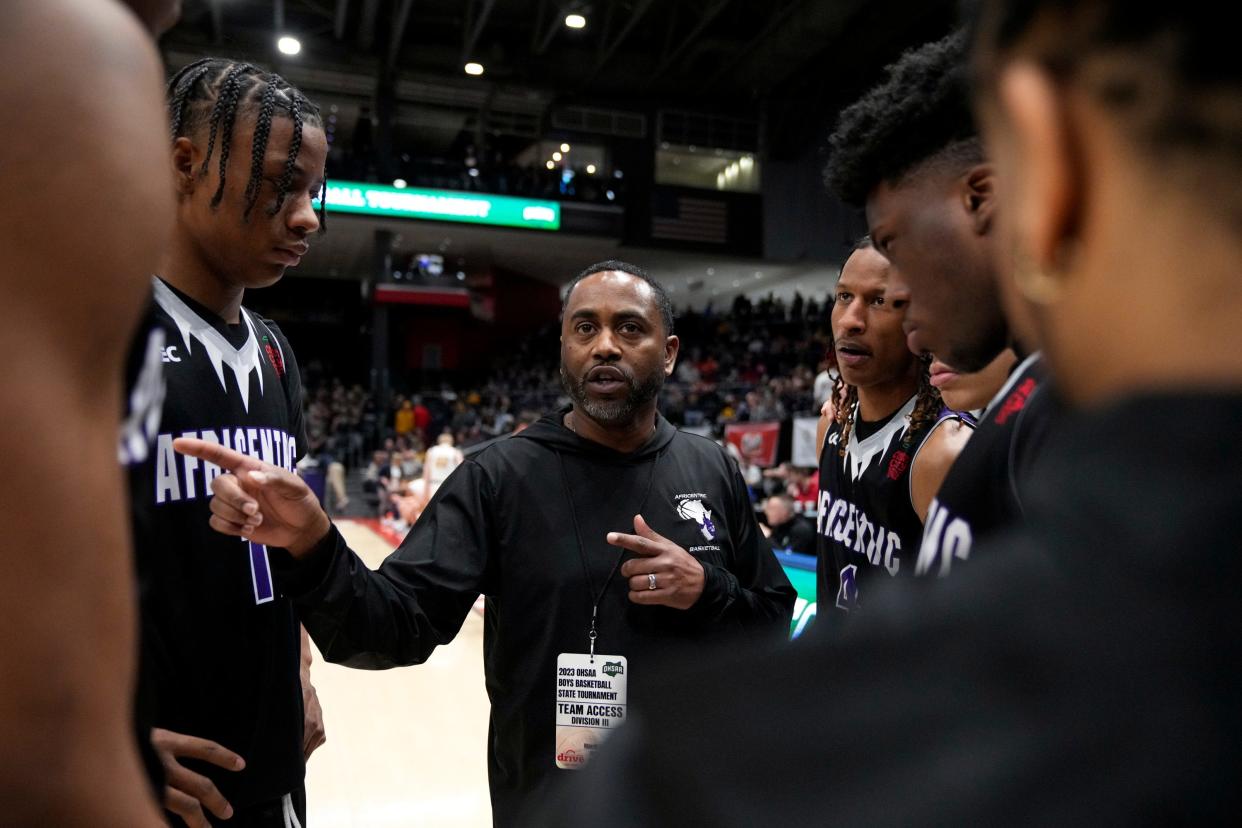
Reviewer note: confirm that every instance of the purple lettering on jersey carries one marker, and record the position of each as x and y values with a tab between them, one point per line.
261	573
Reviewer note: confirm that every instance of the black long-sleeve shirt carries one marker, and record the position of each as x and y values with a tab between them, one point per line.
524	523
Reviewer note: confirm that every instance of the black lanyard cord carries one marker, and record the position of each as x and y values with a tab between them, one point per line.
586	566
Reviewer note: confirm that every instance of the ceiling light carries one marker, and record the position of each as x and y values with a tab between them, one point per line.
564	147
473	68
575	21
590	169
289	45
556	156
551	165
399	183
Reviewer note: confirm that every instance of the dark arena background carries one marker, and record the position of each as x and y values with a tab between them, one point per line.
620	413
482	152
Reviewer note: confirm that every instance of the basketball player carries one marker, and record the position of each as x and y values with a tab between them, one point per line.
885	405
83	217
964	395
541	524
222	646
1086	670
909	151
439	462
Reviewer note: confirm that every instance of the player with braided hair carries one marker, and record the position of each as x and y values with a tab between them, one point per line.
213	90
225	672
883	408
909	152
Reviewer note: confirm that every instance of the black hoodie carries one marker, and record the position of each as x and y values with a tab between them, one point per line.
522	523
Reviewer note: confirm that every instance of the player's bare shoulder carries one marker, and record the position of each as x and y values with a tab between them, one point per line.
80	218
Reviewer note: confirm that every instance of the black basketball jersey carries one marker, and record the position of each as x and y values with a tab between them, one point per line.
867	528
982	491
221	644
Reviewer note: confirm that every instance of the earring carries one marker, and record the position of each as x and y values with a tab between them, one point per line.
1039	286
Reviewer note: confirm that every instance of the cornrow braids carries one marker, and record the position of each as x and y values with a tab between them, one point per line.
258	148
301	110
295	146
211	92
225	114
226	83
179	91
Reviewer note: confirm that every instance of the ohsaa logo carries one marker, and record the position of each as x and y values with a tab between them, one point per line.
897	466
1016	401
571	757
274	357
613	668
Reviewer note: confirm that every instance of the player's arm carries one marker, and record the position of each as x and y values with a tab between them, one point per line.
933	461
313	735
397	615
826	415
83	214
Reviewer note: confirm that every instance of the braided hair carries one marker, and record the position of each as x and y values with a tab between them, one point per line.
927	407
212	92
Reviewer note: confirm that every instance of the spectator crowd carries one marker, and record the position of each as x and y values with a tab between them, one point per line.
759	361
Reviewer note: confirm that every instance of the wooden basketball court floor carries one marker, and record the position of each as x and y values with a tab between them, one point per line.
406	747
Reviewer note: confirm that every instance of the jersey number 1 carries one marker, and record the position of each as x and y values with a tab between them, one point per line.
261	573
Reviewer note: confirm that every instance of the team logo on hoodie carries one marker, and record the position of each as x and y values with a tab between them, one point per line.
691	507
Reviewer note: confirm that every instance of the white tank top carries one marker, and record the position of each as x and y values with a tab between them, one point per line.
440	462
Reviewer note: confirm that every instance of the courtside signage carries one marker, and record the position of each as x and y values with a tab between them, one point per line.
441	205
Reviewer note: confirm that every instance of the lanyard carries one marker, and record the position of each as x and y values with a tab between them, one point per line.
586	566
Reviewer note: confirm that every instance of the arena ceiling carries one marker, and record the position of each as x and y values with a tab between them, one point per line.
787	65
790	63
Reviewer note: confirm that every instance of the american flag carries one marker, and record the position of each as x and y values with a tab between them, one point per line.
682	218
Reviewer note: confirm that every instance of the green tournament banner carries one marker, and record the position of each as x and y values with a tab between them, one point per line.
441	205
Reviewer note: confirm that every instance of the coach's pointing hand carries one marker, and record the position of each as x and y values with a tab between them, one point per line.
259	501
678	575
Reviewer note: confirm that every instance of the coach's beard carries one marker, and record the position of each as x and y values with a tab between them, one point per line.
613	412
